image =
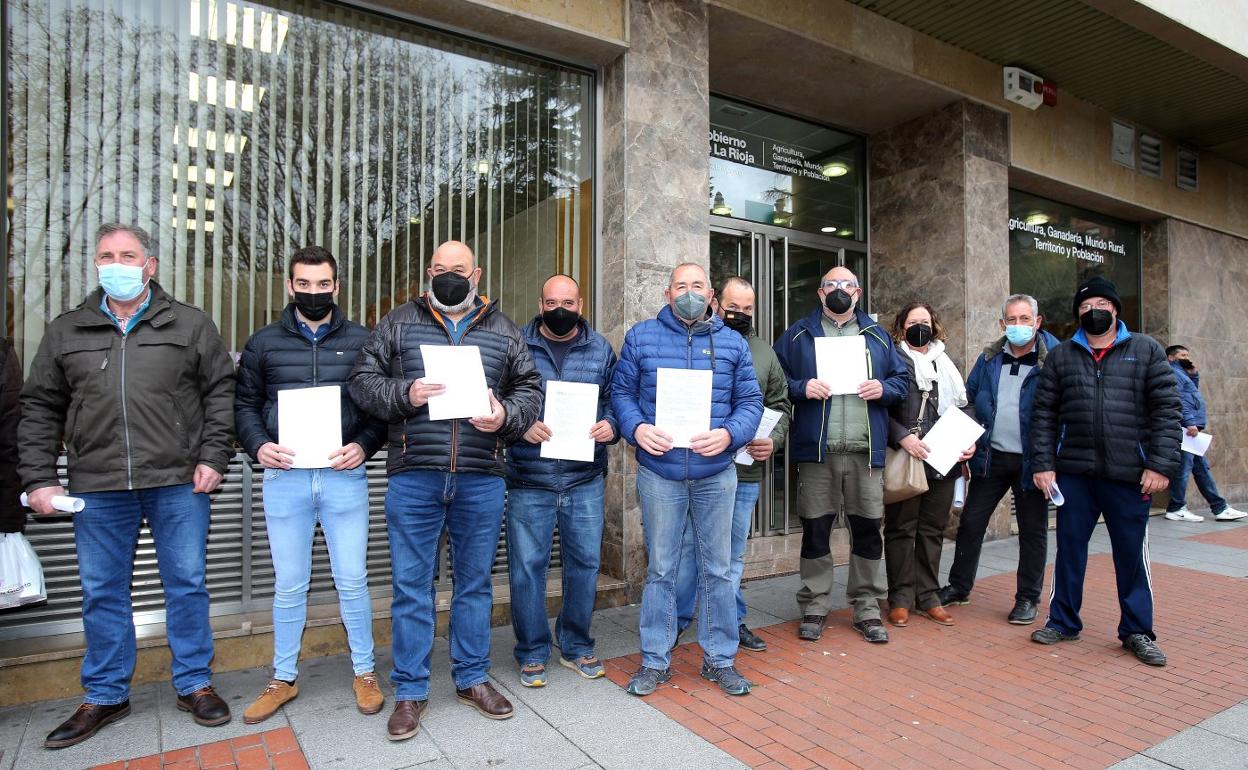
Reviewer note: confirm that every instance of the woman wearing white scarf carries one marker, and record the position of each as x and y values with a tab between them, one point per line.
914	528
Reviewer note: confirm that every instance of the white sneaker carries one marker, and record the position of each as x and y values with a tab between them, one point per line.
1230	514
1184	515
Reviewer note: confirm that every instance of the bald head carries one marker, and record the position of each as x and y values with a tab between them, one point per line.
840	274
452	256
560	291
839	279
687	273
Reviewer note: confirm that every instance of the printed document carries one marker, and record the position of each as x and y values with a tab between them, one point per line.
842	363
458	367
765	426
570	413
952	434
309	423
683	405
1198	444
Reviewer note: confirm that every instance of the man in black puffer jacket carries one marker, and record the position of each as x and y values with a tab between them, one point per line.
312	345
445	473
1105	432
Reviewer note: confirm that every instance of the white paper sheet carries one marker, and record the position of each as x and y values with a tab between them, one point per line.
570	412
841	362
765	426
1198	444
458	367
949	438
309	423
683	405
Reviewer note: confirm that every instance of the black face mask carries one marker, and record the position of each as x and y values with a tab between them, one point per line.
1096	321
560	321
918	335
1187	364
738	322
316	306
838	301
450	288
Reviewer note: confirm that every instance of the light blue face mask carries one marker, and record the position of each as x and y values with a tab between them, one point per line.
1019	335
691	306
122	282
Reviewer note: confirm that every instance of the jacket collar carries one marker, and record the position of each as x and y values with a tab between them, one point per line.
1044	343
533	332
159	310
290	322
814	322
1081	337
669	320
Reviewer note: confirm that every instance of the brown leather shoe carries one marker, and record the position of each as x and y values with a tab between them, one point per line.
276	694
206	706
899	616
405	721
484	698
368	697
84	723
939	614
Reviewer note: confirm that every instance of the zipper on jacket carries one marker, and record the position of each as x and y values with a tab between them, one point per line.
1096	418
125	417
866	405
689	363
315	379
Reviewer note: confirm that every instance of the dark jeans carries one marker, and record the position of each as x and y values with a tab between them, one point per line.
1199	468
1004	474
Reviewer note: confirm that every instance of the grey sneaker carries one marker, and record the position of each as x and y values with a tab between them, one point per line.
1145	649
533	675
587	666
811	628
728	679
872	630
1050	635
647	680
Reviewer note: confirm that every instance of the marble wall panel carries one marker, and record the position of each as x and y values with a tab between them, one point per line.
1155	258
934	137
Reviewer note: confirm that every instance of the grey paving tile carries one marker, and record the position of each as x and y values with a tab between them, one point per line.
178	730
569	697
1141	762
13	721
1199	749
135	736
325	683
1232	723
345	739
633	740
524	741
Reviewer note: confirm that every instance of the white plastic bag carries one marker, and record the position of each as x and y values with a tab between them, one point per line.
21	574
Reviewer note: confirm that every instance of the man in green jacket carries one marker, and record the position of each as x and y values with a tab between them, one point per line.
735	305
140	389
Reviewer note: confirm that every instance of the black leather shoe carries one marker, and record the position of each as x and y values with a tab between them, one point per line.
1024	613
811	627
84	723
206	707
1050	635
1145	649
748	640
951	597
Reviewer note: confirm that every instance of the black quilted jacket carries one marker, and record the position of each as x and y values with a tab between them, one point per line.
1109	419
390	362
279	357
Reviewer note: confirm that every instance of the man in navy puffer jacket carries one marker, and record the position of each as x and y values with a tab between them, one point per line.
695	484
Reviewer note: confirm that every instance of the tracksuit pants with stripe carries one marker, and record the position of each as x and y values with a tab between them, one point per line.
1126	519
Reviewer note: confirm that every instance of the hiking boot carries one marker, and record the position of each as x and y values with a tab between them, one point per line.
587	666
1145	649
748	640
276	693
811	628
368	697
1183	515
872	630
728	679
1050	635
1023	614
84	723
647	680
533	675
952	597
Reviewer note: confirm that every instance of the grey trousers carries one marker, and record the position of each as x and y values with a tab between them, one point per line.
842	482
914	531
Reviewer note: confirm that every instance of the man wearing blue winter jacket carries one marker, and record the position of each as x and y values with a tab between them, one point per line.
1002	387
838	442
696	484
1194	420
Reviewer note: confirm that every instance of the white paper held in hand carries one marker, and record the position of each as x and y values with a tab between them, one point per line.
952	434
63	503
1055	496
309	423
842	363
1198	444
682	406
459	368
570	413
765	426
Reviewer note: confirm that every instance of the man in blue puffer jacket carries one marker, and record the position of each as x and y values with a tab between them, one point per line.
1002	387
544	491
838	442
693	483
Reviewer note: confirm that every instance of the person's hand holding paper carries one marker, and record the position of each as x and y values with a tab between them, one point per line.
841	363
949	438
458	368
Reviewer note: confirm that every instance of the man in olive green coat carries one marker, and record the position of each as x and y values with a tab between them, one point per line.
735	305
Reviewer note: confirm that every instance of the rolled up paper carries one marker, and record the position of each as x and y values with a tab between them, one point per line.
63	503
959	492
1055	496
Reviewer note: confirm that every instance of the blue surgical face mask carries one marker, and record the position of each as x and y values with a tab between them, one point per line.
122	282
691	306
1019	335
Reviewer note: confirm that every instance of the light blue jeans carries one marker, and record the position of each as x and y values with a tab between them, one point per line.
687	578
294	501
666	506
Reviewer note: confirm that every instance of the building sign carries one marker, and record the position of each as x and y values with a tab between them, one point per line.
1055	247
737	147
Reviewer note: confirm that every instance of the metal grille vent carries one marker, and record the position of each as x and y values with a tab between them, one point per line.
1150	156
1188	176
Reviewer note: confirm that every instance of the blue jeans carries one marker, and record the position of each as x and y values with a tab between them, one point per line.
666	508
419	504
106	532
1199	468
294	501
531	518
687	577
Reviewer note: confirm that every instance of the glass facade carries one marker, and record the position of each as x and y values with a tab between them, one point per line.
237	132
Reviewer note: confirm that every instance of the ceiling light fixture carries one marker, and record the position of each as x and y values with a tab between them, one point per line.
836	168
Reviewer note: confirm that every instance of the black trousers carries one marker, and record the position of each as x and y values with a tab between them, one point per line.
1004	474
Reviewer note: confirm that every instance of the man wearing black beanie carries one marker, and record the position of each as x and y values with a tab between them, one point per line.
1105	432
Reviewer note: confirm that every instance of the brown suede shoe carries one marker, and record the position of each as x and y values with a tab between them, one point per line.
939	614
206	707
84	723
405	721
276	693
484	698
368	697
899	616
